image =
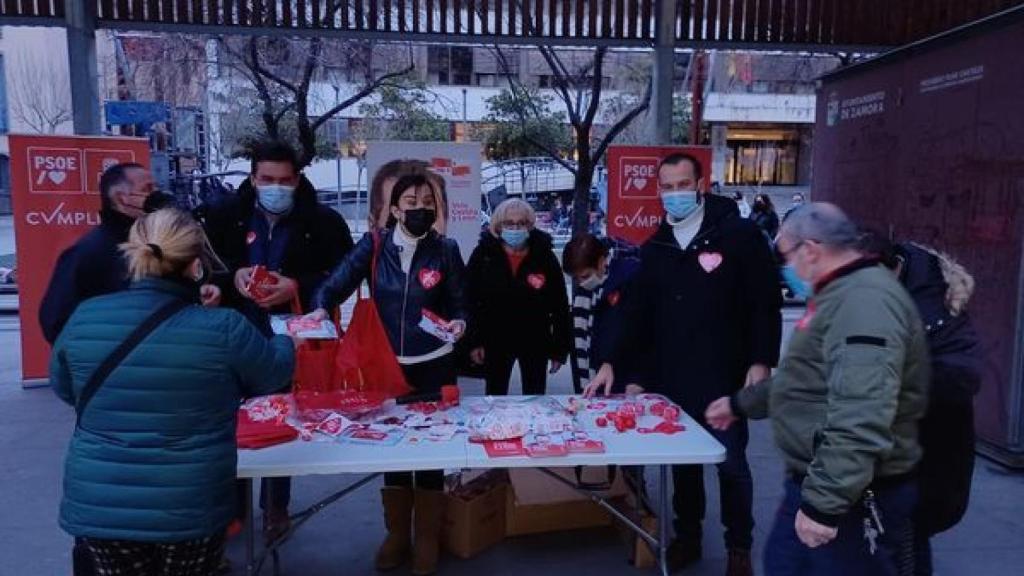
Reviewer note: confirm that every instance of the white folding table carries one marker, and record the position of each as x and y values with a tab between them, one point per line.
693	446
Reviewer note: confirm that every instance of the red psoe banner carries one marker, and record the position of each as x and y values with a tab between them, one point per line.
55	193
634	206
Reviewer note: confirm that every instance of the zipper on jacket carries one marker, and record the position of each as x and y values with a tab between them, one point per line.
405	296
405	302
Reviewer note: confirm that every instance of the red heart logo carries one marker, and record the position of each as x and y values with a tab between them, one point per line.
613	299
537	281
709	261
429	278
250	237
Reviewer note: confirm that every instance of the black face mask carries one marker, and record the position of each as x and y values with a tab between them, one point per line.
419	220
156	201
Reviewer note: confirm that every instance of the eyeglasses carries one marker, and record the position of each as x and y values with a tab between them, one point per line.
515	224
783	255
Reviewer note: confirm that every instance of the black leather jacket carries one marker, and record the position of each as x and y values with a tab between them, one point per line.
435	282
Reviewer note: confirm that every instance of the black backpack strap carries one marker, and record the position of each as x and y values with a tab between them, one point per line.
115	358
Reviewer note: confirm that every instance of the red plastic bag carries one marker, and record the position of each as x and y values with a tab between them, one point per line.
315	367
365	361
314	364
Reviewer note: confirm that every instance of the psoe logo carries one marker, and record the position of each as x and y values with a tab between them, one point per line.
639	177
450	167
60	216
55	170
640	219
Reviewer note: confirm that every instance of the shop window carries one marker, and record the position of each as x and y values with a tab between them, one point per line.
762	162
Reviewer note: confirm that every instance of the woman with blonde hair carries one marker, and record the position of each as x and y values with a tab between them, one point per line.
155	380
519	310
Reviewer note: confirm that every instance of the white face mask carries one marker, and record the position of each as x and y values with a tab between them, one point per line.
593	282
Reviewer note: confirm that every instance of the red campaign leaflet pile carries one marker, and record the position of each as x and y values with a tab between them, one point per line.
535	427
262	422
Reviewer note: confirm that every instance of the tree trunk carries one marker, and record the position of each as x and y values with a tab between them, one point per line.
583	180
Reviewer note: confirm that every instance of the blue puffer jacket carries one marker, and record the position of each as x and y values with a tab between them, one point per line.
154	458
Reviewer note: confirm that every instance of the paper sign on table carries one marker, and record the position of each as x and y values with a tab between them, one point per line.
373	436
583	443
504	448
545	446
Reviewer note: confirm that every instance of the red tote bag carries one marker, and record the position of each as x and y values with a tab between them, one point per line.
365	361
314	364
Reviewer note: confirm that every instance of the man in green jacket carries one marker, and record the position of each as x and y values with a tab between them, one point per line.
844	405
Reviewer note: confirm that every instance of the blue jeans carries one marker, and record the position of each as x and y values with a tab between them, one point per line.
849	554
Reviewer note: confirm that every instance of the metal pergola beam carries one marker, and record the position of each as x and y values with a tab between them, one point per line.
792	25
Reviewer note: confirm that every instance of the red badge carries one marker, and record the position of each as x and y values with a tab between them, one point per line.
804	322
250	237
709	261
537	281
613	299
429	278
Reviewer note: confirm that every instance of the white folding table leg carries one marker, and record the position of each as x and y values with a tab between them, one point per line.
666	512
250	529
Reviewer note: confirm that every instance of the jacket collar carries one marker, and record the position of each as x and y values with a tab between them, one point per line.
843	271
177	288
116	222
717	210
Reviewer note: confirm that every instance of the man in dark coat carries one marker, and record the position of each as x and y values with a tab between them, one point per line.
275	221
94	266
707	315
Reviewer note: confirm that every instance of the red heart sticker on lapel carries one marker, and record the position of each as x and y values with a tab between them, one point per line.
709	261
250	237
808	316
429	278
536	280
613	299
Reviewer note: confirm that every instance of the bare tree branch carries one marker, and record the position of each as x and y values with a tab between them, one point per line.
362	93
623	122
596	85
259	70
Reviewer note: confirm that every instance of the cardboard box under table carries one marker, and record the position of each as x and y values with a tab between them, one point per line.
537	503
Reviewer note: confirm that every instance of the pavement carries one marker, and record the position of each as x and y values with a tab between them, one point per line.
35	427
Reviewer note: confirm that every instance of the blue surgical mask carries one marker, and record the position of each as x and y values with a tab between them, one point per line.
680	204
276	199
515	238
799	286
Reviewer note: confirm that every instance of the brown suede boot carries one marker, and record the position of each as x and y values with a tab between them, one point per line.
429	511
398	520
739	563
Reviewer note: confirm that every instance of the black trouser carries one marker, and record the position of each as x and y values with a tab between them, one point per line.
945	477
424	378
532	371
198	557
735	485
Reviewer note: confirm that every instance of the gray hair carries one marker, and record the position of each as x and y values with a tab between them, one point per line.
823	223
509	207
